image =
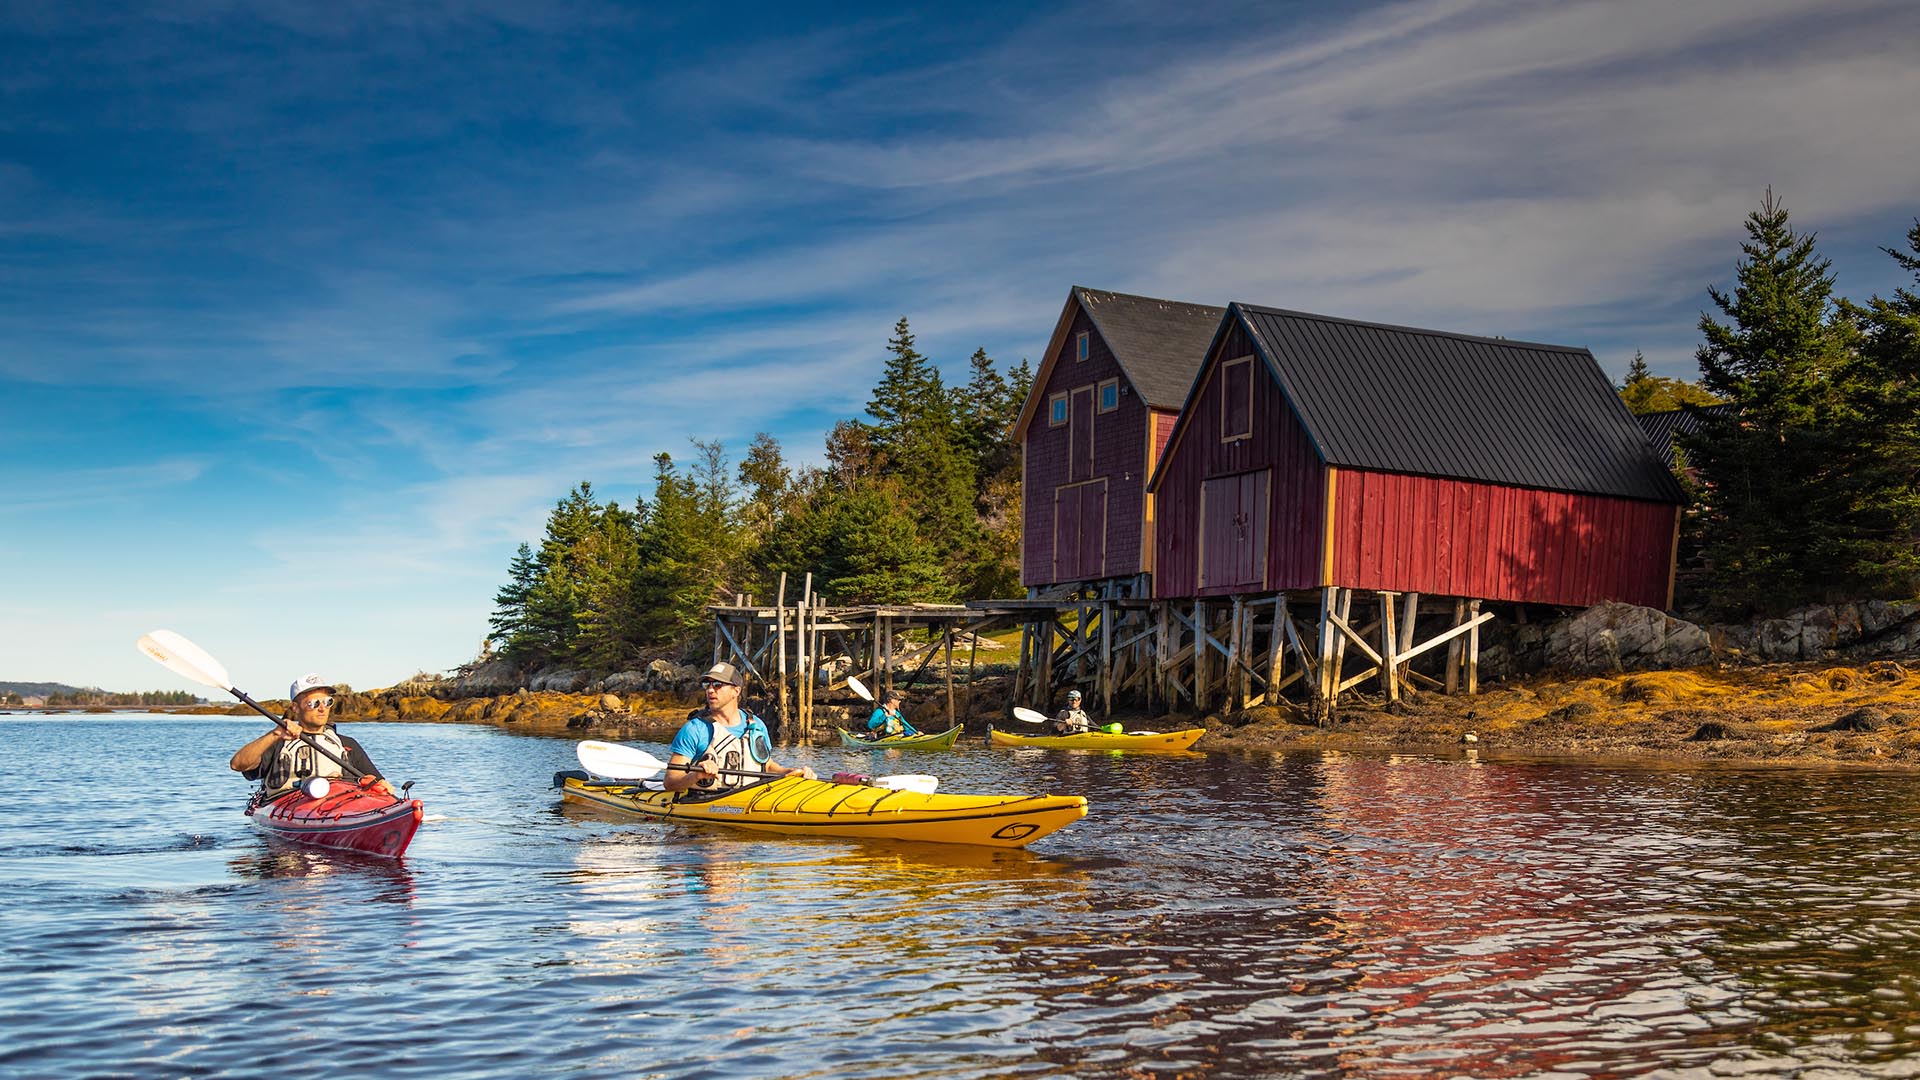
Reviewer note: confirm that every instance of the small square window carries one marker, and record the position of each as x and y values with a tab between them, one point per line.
1057	410
1080	347
1110	395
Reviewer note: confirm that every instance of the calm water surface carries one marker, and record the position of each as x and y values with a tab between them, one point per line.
1217	915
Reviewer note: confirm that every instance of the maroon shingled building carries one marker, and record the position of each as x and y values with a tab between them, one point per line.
1102	406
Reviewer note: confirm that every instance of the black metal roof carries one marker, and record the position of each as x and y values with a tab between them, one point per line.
1406	400
1661	427
1160	344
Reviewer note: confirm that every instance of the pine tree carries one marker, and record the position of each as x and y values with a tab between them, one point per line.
509	619
1882	388
763	473
1800	499
1778	351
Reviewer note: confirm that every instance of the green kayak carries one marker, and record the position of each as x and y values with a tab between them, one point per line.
943	741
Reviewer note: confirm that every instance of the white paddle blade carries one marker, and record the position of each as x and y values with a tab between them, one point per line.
1029	715
920	782
859	688
613	761
184	658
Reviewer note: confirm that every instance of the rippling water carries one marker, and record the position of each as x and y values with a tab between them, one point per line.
1217	915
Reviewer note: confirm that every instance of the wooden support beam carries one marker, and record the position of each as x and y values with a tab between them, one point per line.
1389	648
1106	659
1447	637
1198	625
1473	647
1454	645
1323	640
1236	694
1348	635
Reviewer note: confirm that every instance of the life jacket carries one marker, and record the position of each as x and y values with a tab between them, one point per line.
296	761
893	725
1072	722
749	751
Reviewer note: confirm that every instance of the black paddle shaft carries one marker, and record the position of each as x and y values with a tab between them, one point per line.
280	721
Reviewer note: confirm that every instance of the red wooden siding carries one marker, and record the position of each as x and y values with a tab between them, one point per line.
1111	446
1462	538
1296	486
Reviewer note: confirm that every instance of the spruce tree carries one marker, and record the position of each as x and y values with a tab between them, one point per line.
1800	499
509	619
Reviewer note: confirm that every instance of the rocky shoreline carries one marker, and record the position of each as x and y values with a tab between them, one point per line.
1801	714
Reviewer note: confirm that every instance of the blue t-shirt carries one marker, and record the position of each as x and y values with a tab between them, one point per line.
697	734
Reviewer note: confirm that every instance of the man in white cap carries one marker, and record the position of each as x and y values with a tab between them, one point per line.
282	758
1071	720
886	721
721	740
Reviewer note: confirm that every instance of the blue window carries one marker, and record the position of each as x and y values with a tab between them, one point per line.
1110	395
1080	346
1057	413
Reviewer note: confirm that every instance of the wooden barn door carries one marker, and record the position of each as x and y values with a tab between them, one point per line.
1080	531
1233	531
1080	435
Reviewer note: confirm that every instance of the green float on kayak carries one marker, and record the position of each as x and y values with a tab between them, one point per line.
1101	740
941	741
791	804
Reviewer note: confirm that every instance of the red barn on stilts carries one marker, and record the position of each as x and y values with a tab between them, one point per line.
1322	456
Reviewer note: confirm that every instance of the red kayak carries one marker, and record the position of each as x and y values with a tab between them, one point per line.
350	816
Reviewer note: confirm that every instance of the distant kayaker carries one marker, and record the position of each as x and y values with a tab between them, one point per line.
886	721
722	736
280	759
1072	720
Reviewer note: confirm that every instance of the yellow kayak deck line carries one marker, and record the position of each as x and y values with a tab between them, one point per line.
823	808
1100	740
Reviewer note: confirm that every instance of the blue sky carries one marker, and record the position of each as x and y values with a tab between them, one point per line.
309	313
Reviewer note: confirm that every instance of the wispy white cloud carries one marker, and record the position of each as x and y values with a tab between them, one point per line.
28	491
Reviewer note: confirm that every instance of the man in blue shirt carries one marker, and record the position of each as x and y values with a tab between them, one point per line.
886	721
720	738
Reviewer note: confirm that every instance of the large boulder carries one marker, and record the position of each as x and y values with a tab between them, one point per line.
1623	637
561	681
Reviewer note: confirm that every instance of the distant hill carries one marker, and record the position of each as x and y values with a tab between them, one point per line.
45	689
54	693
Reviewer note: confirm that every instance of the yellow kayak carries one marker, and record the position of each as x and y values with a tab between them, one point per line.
824	808
1101	740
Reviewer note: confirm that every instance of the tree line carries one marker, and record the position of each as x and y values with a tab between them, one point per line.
919	501
1807	489
71	698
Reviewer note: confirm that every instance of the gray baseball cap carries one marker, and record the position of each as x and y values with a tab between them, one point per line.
725	673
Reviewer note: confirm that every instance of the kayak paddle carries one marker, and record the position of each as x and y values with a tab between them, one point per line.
859	688
184	658
1029	715
617	762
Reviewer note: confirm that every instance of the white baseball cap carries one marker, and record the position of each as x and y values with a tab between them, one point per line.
304	683
1073	695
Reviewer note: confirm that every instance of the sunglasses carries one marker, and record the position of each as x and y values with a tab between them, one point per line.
318	703
712	684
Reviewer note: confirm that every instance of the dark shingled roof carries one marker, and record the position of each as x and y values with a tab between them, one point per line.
1661	427
1405	400
1158	343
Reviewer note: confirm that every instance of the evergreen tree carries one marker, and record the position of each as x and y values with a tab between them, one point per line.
1882	388
509	619
873	555
763	473
909	386
1776	354
1800	498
